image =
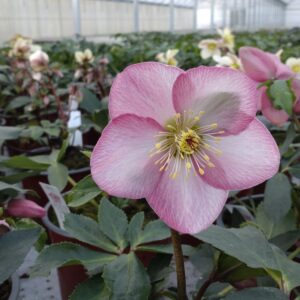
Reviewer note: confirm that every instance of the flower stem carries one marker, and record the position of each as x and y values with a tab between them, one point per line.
296	122
71	181
179	261
295	253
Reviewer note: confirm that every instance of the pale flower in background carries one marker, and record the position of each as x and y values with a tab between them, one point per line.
39	61
227	38
84	57
168	57
21	47
229	60
294	64
209	48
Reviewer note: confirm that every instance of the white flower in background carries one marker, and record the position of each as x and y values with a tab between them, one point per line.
84	57
21	47
168	57
209	48
229	60
294	64
227	38
39	61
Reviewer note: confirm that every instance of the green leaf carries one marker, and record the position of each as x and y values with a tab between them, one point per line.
62	150
282	95
14	247
153	231
290	135
24	162
18	102
277	200
286	240
127	278
295	170
84	191
91	289
87	230
66	253
9	132
272	229
235	271
164	248
249	245
135	228
259	293
11	189
90	101
17	177
203	260
113	222
58	175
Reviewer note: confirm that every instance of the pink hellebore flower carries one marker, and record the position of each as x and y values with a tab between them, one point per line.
24	208
262	66
182	140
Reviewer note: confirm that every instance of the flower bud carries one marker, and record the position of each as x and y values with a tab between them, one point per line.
24	208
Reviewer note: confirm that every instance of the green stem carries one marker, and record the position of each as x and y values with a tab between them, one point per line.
296	122
71	181
295	253
225	291
179	261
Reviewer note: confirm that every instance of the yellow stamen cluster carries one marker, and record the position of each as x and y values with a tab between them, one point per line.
296	68
187	142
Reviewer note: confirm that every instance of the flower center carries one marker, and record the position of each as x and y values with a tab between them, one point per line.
212	46
296	68
185	141
188	141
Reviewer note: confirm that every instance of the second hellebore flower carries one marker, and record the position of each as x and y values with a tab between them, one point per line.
264	66
182	140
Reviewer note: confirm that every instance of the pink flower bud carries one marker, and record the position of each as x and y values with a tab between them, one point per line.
24	208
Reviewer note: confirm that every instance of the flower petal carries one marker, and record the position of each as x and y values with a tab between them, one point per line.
120	162
262	66
144	89
187	204
228	97
247	159
275	116
296	88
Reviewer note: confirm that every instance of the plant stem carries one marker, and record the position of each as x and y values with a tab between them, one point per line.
71	181
295	253
296	122
179	261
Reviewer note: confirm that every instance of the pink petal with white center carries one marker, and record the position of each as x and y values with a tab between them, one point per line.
228	97
262	66
187	204
274	115
120	162
144	89
247	159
